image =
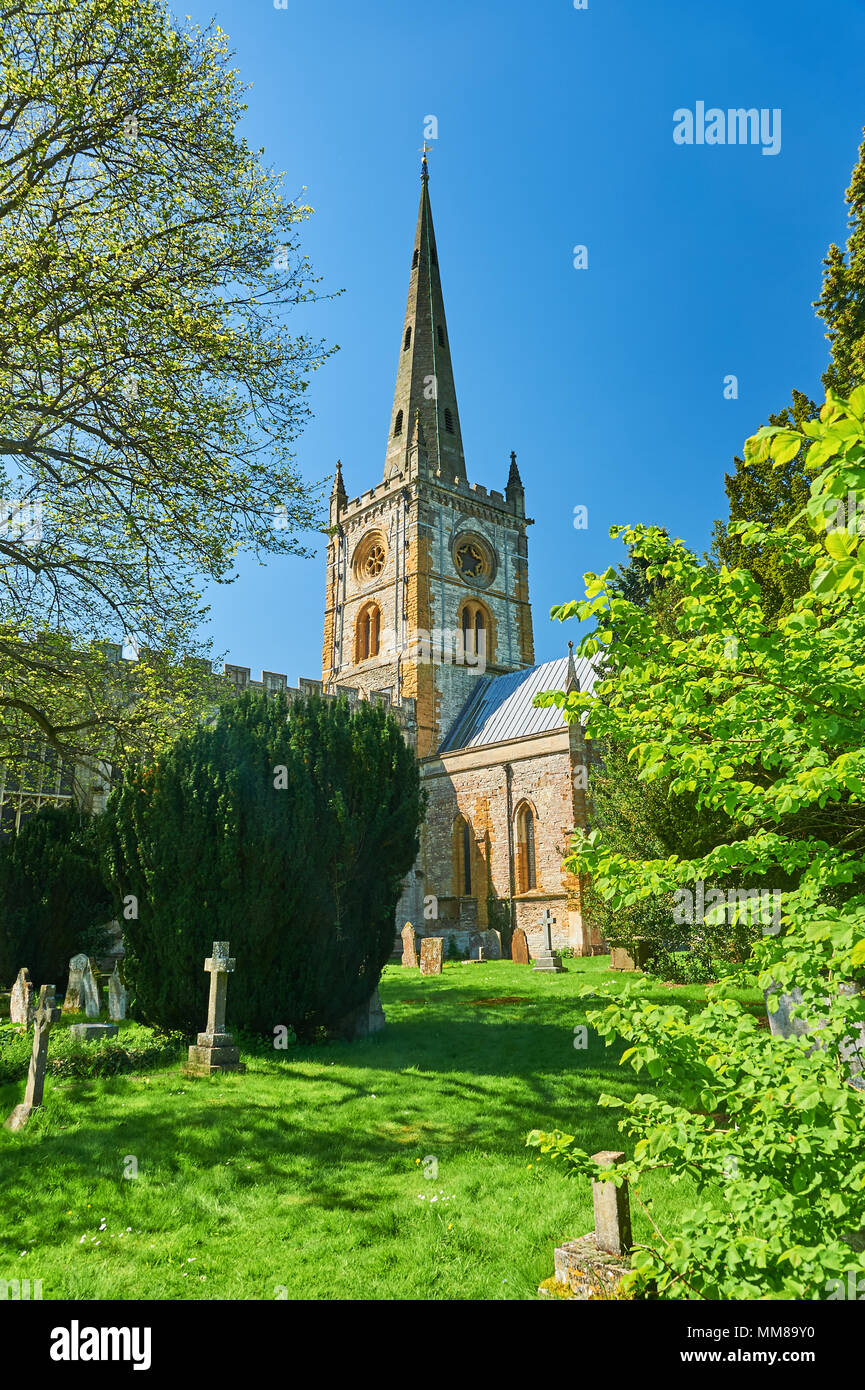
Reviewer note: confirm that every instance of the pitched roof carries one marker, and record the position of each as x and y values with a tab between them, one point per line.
501	708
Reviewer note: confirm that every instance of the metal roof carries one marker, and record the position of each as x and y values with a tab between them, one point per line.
501	708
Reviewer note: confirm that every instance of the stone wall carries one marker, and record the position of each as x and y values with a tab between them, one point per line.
473	783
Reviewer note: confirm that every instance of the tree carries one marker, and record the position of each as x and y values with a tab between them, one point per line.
53	901
149	390
763	720
842	302
759	492
652	821
284	829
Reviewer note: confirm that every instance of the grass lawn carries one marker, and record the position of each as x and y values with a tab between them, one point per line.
302	1178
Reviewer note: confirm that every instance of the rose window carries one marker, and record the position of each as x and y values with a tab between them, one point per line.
471	560
374	562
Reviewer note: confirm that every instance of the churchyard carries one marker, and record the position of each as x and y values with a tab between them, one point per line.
393	1167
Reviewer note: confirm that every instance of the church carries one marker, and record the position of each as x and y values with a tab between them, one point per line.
427	610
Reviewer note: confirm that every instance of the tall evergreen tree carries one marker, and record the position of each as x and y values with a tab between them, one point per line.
53	901
841	305
284	829
774	495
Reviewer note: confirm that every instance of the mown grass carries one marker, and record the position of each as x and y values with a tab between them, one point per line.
305	1178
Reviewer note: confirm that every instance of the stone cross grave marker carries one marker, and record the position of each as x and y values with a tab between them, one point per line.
74	1001
409	947
519	947
118	995
45	1016
21	999
214	1050
431	955
593	1266
548	921
547	960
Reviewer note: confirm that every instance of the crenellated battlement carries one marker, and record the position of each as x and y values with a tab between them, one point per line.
405	711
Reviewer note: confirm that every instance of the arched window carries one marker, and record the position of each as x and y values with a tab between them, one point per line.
415	258
449	421
462	857
525	866
367	633
407	340
397	424
441	335
475	624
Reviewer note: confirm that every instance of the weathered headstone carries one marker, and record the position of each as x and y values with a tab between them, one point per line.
622	959
431	955
409	946
74	1001
45	1016
21	999
593	1266
92	1032
90	990
476	946
363	1021
520	947
118	995
547	960
214	1050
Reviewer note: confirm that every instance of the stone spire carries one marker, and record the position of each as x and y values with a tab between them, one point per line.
338	495
425	379
514	491
573	682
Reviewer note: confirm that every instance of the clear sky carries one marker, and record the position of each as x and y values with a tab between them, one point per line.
555	129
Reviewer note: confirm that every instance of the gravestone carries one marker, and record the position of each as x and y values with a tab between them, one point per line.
74	1001
548	961
520	947
90	991
592	1267
118	995
621	959
21	999
363	1021
92	1032
45	1016
476	946
214	1050
782	1024
431	955
409	947
492	940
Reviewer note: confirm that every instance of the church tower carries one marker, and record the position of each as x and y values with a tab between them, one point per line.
427	574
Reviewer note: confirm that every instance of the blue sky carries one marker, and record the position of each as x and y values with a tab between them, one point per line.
555	129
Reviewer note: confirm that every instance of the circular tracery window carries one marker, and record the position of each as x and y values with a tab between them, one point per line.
370	557
473	560
373	563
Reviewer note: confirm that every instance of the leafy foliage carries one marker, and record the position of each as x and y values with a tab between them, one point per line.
764	721
53	901
283	829
774	496
149	390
